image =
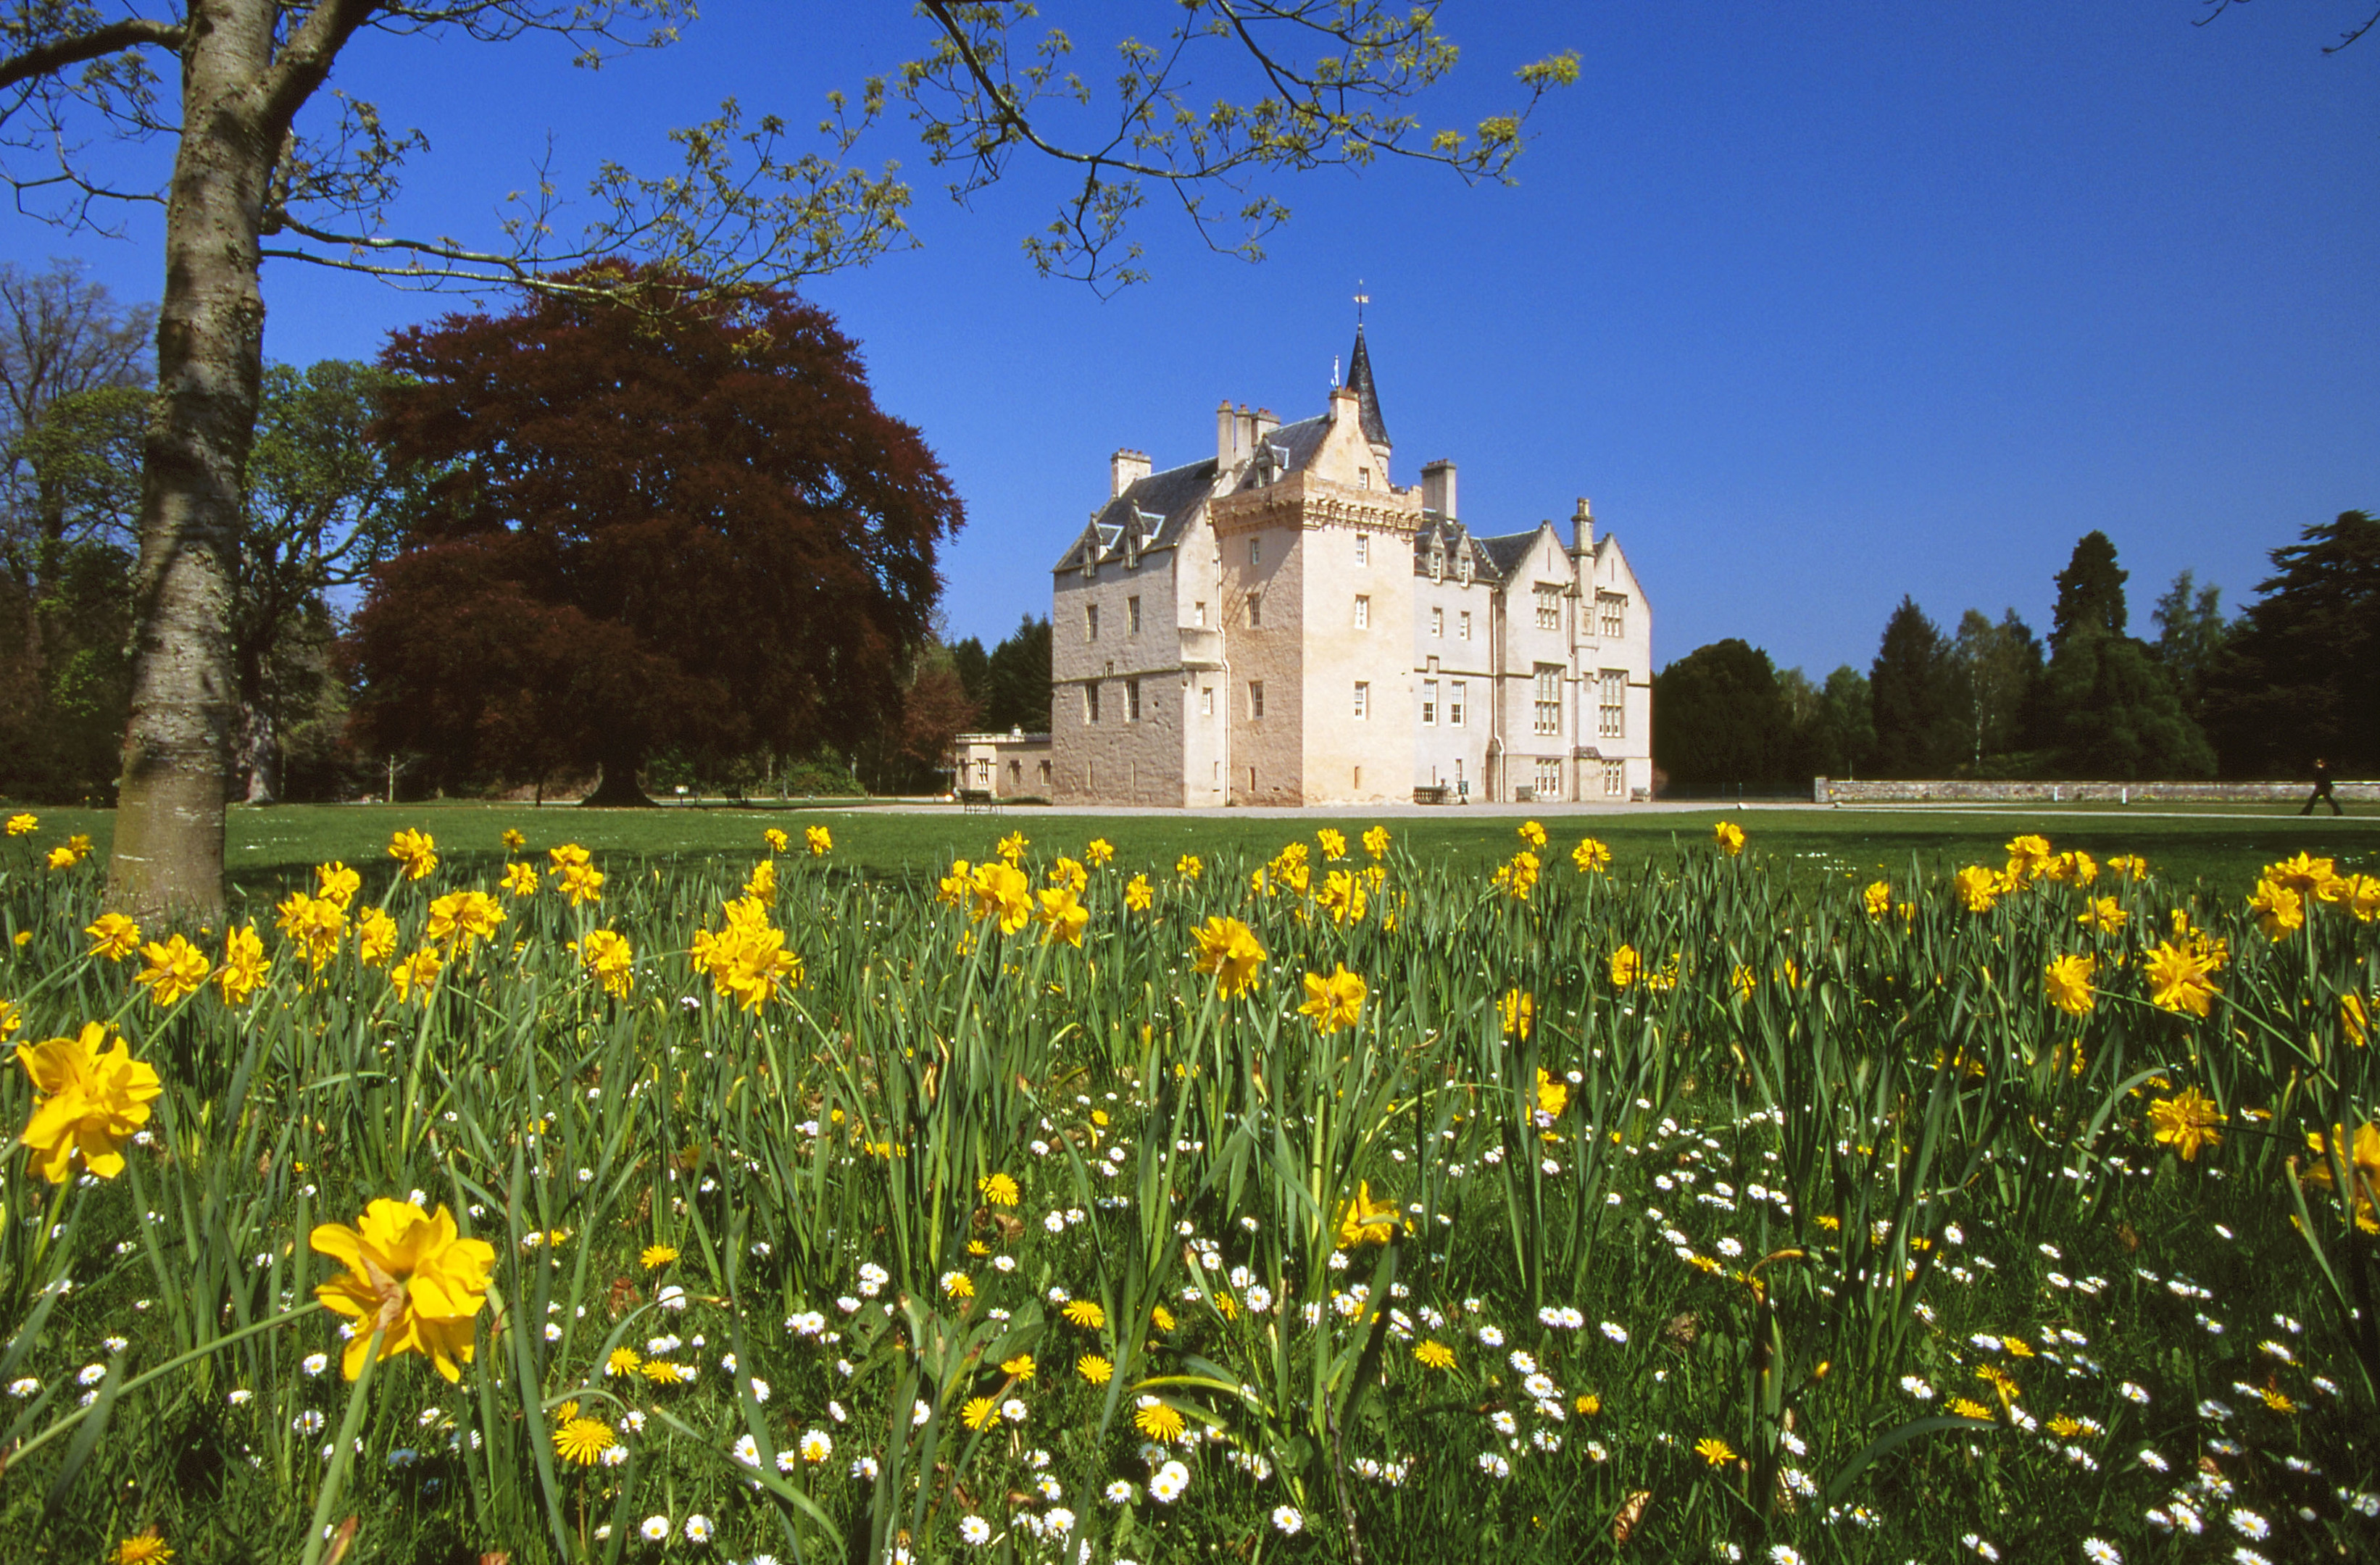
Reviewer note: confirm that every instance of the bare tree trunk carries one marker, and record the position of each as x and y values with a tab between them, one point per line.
236	105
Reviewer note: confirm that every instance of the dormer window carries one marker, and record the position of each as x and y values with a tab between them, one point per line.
1437	563
1363	477
1463	569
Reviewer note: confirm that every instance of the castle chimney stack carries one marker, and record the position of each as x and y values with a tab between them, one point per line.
1227	437
1125	468
1437	488
1582	526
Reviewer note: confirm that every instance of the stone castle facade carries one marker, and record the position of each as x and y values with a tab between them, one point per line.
1282	624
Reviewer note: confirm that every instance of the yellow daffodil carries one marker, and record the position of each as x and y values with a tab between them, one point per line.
175	968
375	936
1876	900
521	879
1553	1096
334	882
762	882
1625	967
1012	847
1532	834
411	1276
416	851
1518	1013
777	840
416	976
1333	1002
1099	853
608	955
2067	981
1138	894
460	919
1061	916
244	966
1187	867
513	840
1366	1221
23	825
2180	979
1728	837
113	936
1228	950
818	840
89	1099
2186	1121
1590	855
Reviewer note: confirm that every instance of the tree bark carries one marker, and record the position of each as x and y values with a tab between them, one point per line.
238	101
259	754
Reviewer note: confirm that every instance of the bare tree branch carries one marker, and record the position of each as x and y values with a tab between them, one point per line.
48	59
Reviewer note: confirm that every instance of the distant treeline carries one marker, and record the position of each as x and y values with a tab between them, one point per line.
2293	677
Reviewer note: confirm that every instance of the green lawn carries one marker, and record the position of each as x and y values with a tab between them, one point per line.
2224	846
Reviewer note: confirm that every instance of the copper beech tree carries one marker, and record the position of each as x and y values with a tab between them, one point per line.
685	524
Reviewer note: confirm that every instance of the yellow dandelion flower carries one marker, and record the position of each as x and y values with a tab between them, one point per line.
1160	1421
1085	1313
141	1549
583	1442
1095	1369
656	1257
1433	1354
998	1189
1713	1449
1021	1368
978	1413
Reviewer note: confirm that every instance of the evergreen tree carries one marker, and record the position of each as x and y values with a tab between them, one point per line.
2299	676
1719	717
2089	590
1915	692
2117	716
1016	680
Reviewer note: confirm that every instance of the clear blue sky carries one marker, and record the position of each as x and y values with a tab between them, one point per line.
1820	304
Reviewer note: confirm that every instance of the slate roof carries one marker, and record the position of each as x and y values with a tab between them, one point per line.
1359	379
1509	550
1456	539
1154	510
1157	508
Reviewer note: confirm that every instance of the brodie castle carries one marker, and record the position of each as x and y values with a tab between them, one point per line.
1281	623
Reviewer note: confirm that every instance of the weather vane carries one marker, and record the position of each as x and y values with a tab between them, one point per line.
1361	298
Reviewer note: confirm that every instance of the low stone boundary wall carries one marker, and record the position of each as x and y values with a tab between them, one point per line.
1826	789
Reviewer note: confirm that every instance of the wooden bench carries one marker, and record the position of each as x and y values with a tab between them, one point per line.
982	800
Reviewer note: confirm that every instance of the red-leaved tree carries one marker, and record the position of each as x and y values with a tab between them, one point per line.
687	525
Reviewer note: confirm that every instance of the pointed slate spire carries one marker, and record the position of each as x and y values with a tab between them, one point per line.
1359	380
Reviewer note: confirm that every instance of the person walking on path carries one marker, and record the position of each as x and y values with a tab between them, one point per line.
2322	794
